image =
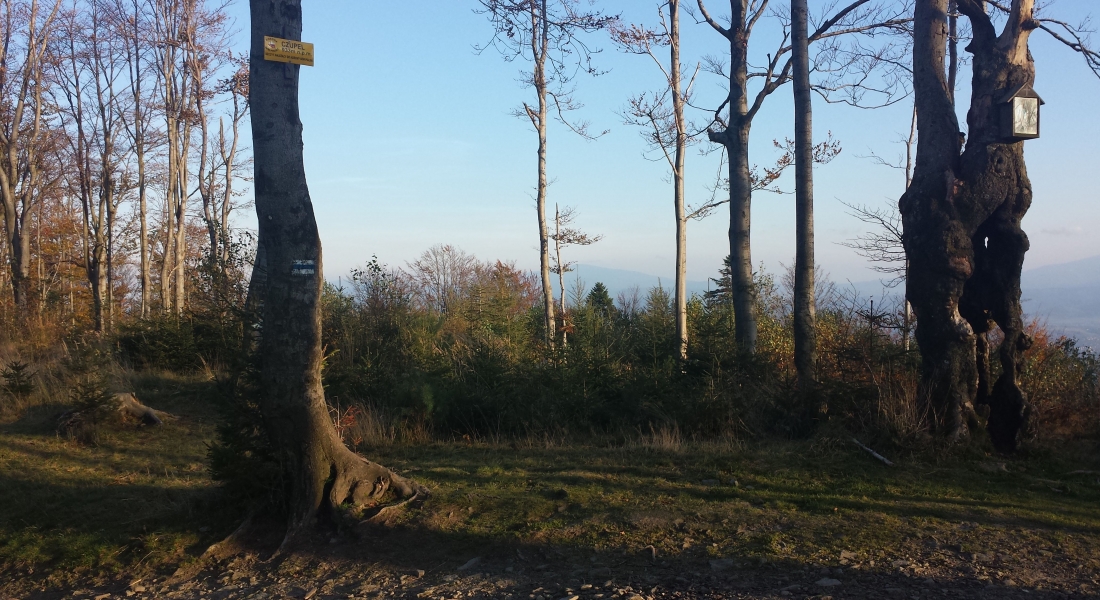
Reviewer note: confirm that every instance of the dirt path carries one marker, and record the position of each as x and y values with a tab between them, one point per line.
347	570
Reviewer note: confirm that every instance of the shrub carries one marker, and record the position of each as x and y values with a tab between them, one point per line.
18	382
242	458
185	344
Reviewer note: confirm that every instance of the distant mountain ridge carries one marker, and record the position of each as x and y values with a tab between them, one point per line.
621	280
1066	296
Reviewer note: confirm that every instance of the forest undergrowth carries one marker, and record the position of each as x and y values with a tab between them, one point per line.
604	443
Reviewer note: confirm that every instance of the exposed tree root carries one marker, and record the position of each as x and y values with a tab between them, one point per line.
359	482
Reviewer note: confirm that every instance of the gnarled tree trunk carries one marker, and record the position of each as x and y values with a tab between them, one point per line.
962	217
319	469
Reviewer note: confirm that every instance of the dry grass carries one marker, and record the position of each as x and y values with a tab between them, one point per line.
142	501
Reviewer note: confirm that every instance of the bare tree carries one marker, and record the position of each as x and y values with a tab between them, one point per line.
228	147
442	274
847	75
882	244
319	470
132	23
217	153
563	236
546	33
662	117
92	67
27	32
176	31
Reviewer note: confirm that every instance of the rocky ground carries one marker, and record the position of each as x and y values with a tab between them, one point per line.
347	569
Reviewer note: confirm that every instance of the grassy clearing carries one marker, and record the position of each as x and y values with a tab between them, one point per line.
136	501
141	501
792	502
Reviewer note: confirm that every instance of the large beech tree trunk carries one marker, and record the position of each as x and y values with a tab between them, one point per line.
319	469
962	217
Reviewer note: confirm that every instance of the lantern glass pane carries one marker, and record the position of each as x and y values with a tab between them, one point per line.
1025	116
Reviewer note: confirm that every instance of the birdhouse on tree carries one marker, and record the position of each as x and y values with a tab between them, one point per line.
1019	114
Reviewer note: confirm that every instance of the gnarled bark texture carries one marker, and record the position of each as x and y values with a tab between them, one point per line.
320	470
962	216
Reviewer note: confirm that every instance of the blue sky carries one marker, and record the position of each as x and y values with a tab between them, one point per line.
409	142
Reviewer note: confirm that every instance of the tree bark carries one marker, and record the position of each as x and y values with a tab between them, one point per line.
735	139
561	275
740	231
962	218
540	45
320	470
134	39
21	142
676	85
805	335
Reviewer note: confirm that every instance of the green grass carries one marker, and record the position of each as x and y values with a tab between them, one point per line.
142	500
133	502
791	501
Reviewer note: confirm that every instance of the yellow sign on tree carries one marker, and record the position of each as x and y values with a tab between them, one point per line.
288	51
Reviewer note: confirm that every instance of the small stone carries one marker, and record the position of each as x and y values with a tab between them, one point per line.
901	562
586	586
310	594
636	597
828	582
102	597
473	562
845	555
